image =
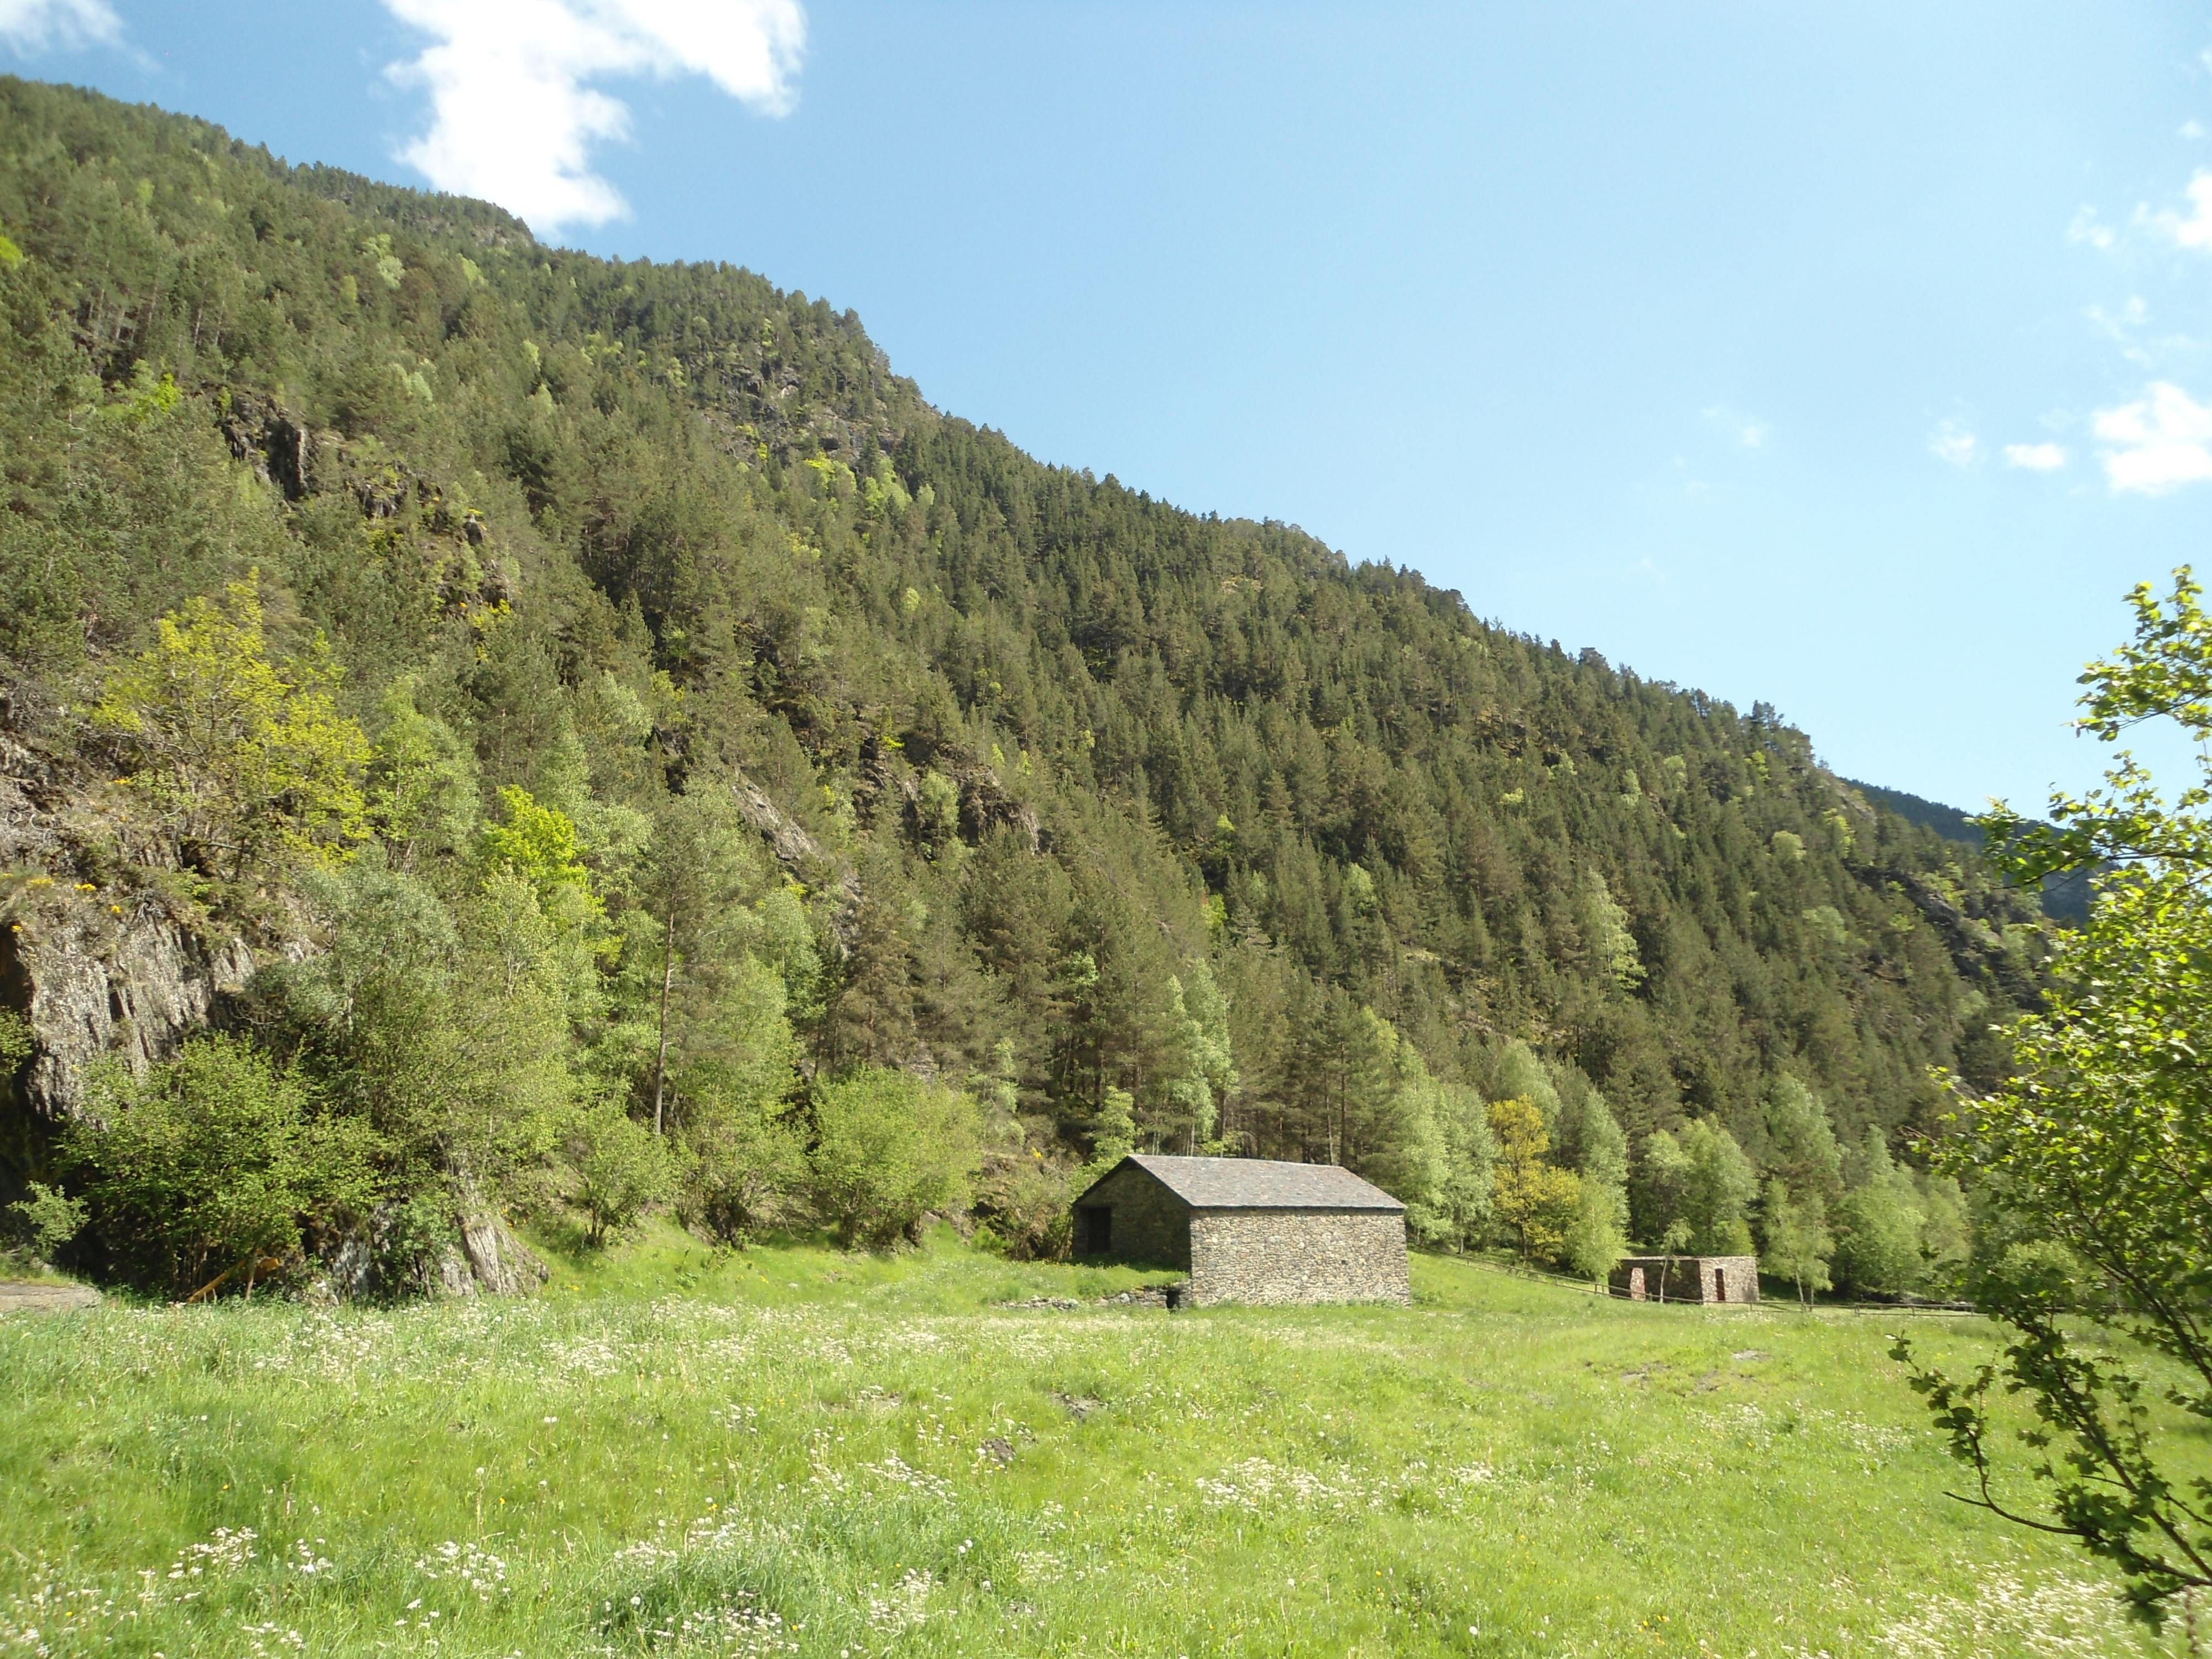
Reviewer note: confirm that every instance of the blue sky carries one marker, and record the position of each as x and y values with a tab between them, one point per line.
1857	358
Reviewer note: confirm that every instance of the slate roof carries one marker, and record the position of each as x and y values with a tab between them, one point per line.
1257	1183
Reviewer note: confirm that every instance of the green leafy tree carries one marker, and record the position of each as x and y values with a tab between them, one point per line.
1675	1241
1114	1130
1880	1222
1802	1141
1946	1235
1470	1163
1536	1201
2098	1147
1794	1239
742	1153
1596	1239
1700	1180
422	781
212	1163
539	843
1720	1190
1407	1153
702	871
889	1149
1611	939
243	758
445	1028
1591	1141
621	1167
1203	1069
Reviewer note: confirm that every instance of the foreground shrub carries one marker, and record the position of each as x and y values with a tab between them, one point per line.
740	1171
890	1148
621	1168
212	1164
41	1223
1022	1203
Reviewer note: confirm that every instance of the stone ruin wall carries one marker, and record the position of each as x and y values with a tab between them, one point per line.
1689	1279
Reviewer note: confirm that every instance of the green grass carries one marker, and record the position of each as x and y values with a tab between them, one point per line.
796	1451
15	1270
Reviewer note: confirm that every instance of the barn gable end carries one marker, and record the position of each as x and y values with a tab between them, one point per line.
1142	1218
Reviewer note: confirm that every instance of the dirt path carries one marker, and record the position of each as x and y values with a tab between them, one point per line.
34	1296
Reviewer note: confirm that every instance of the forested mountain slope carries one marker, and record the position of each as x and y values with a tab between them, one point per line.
1140	823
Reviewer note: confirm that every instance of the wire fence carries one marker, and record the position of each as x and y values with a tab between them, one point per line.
1788	1302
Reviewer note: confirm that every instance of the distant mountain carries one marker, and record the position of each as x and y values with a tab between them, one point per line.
1145	824
2065	898
1948	822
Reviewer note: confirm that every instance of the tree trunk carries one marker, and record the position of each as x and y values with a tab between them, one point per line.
661	1063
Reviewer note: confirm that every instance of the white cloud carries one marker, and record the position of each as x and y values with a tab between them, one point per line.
2193	229
2192	130
2162	441
1953	442
512	117
30	25
2085	227
1750	433
2036	458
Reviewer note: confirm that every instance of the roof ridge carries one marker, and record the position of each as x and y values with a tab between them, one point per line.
1256	1183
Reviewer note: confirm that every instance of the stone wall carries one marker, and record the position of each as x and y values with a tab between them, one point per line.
1297	1255
1687	1279
1150	1224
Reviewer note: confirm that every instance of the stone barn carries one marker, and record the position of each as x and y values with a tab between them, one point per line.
1709	1279
1246	1230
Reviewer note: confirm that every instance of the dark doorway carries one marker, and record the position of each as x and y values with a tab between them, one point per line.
1720	1283
1095	1230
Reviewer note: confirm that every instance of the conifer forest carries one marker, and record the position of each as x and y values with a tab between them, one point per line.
591	739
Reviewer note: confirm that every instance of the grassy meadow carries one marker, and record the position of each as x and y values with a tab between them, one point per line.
795	1451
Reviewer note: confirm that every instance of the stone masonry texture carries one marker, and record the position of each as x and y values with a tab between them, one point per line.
1297	1255
1687	1279
1150	1224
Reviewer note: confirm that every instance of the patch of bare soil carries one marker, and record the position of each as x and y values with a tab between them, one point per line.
35	1296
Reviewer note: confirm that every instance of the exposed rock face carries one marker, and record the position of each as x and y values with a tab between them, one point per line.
137	987
794	849
95	969
277	445
481	1257
102	970
501	1263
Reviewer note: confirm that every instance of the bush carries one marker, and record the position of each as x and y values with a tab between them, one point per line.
742	1170
211	1164
408	1242
1022	1201
45	1221
889	1150
621	1167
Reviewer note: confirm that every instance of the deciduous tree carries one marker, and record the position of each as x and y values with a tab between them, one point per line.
1536	1201
2099	1146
